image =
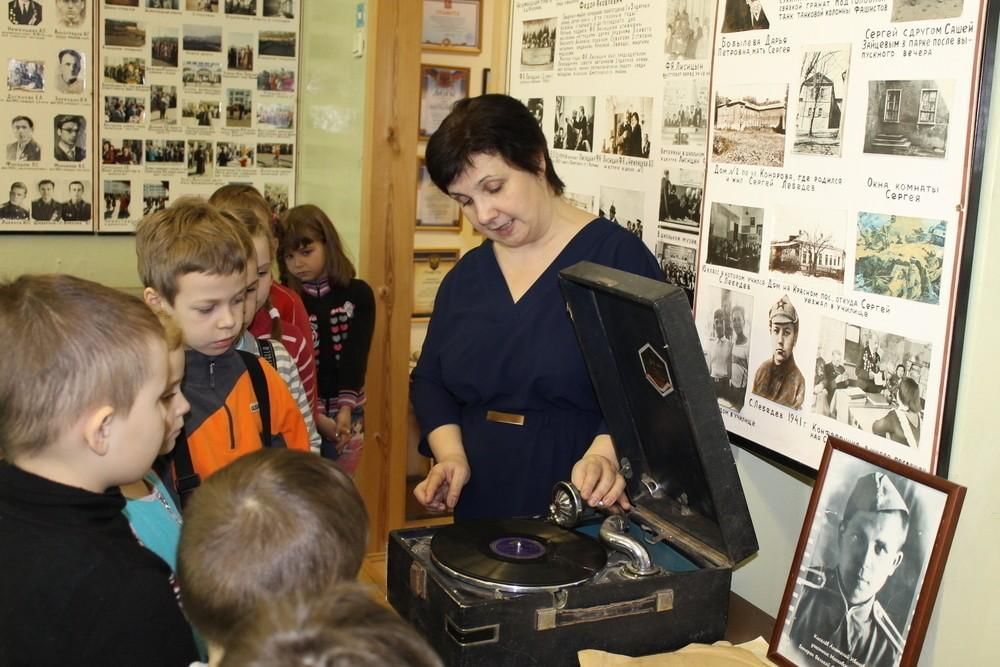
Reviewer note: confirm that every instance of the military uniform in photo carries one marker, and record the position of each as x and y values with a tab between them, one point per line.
11	211
24	12
76	211
782	382
30	152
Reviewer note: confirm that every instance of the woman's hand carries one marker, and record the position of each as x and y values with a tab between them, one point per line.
439	491
596	475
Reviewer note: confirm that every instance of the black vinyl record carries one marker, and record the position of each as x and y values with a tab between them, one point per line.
517	554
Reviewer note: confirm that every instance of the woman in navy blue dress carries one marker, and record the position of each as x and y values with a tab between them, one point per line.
501	390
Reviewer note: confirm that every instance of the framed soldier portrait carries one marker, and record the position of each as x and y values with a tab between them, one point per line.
869	562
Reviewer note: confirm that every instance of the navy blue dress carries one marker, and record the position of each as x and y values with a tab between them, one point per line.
485	352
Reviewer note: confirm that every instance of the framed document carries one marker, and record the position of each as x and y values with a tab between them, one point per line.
429	268
453	25
868	564
435	209
440	87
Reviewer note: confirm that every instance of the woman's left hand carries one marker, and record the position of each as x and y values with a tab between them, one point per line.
597	477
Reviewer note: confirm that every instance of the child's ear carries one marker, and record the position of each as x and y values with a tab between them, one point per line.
153	299
97	429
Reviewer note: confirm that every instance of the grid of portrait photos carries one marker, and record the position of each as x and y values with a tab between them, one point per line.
835	163
160	97
48	53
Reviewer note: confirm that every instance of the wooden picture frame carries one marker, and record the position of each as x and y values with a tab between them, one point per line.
430	265
452	25
436	211
440	87
886	528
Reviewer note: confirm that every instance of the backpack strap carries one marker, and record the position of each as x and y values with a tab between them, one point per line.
259	382
267	351
186	480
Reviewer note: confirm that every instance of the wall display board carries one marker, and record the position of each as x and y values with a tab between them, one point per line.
117	107
48	178
837	185
620	90
194	94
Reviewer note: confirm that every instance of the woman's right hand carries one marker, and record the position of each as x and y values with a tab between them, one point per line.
439	491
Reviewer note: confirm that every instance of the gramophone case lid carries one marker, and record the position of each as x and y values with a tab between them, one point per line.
648	368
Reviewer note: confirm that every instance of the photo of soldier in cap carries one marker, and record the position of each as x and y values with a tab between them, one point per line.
869	541
778	379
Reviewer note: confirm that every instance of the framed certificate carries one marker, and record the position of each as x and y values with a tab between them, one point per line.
429	268
453	25
435	210
440	87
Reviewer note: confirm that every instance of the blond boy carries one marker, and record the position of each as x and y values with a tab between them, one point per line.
193	262
274	523
82	411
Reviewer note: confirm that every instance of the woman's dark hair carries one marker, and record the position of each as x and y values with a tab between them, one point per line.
488	125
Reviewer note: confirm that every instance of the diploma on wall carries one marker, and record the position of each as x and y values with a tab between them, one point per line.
429	269
440	88
452	25
435	209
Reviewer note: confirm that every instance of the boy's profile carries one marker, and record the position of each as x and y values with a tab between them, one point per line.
82	411
344	627
273	523
193	262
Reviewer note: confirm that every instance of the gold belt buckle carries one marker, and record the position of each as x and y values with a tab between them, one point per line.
505	418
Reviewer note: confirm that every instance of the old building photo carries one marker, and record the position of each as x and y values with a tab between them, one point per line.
908	118
819	114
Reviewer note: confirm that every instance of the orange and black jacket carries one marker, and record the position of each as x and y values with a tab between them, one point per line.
224	422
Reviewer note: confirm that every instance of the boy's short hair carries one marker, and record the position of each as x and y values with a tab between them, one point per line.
242	195
189	236
274	522
341	627
79	345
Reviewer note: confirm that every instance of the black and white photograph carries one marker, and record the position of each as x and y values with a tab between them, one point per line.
234	155
908	118
24	12
200	37
239	107
173	5
819	115
200	159
276	116
203	74
574	123
282	9
124	33
199	112
276	43
724	326
126	70
743	15
276	79
45	208
24	148
163	106
275	155
685	113
124	109
868	563
779	377
76	206
240	7
26	75
166	152
276	195
155	196
680	198
71	74
538	45
239	51
629	120
584	202
925	10
164	47
689	29
900	256
678	264
117	200
71	15
734	236
70	138
17	205
623	207
750	125
873	381
809	243
121	151
211	6
536	105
